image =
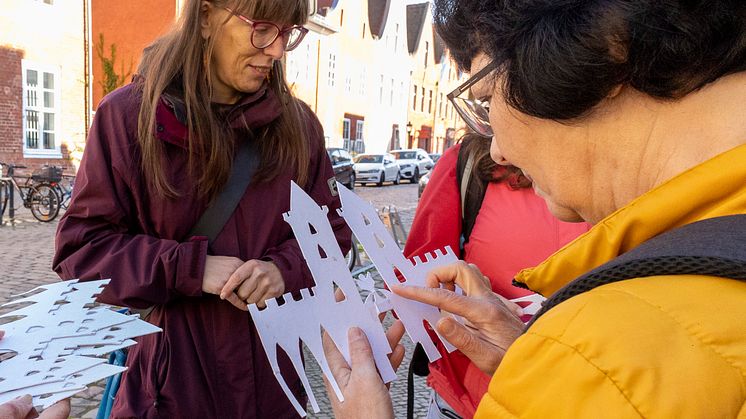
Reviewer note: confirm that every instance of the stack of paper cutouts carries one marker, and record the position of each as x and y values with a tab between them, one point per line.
294	321
53	347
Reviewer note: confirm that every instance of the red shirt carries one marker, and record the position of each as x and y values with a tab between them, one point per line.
513	230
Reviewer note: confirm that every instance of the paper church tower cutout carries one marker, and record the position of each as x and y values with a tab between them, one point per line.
295	321
57	341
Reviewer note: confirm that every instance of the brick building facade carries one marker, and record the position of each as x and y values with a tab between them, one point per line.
42	89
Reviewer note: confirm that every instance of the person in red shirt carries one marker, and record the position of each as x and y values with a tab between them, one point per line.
513	230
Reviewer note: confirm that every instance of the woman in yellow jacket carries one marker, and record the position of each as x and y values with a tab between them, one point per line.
628	114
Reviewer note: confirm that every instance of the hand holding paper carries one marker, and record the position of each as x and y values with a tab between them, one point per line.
492	323
217	271
255	282
360	383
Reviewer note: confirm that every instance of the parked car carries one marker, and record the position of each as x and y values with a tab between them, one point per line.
376	168
413	163
343	166
422	183
435	157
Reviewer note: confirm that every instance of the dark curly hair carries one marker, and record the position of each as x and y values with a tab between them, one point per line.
560	58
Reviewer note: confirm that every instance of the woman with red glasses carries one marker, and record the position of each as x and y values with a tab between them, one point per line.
160	153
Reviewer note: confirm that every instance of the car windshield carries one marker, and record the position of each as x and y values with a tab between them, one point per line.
405	155
369	159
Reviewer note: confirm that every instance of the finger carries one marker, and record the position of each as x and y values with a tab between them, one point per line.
237	277
2	333
337	363
17	408
449	301
59	410
514	308
237	302
468	277
361	354
395	333
485	356
339	295
250	286
397	356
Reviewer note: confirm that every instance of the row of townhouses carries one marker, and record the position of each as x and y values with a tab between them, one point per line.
374	71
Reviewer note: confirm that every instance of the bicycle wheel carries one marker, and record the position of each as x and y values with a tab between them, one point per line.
4	194
352	256
45	204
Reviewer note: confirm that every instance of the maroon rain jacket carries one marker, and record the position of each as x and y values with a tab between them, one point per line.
208	362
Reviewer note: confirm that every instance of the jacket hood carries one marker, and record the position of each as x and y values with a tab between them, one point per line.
714	188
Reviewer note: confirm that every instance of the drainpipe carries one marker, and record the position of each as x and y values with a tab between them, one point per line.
86	67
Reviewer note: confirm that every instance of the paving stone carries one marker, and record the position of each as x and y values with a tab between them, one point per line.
27	247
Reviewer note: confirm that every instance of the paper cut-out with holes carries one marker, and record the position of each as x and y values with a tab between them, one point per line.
56	340
303	320
385	254
294	321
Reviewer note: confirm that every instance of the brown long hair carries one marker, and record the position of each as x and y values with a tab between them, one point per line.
180	56
485	168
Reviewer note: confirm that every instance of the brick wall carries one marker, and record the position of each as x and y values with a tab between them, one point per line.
11	130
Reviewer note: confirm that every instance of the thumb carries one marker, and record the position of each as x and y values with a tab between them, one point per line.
17	408
361	354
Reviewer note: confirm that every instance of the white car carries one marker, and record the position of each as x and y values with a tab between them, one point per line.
376	168
413	163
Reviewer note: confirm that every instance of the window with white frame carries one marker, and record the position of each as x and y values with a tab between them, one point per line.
348	84
359	146
332	69
346	134
45	1
41	110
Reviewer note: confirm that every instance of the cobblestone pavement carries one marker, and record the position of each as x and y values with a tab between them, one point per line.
26	250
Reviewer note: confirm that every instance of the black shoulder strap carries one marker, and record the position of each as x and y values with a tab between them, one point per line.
472	189
213	220
712	247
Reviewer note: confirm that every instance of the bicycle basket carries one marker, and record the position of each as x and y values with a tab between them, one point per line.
47	174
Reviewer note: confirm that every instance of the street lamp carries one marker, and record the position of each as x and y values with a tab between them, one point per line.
409	134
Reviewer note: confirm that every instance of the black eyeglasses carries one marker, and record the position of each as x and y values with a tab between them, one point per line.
474	112
264	33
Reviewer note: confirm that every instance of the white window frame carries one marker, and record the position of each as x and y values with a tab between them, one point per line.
359	130
332	75
42	153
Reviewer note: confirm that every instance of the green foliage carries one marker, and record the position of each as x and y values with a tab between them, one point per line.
111	80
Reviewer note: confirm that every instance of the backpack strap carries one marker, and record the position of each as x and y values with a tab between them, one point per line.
213	220
472	189
711	247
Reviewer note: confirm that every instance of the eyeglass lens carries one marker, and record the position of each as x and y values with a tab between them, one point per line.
265	34
475	115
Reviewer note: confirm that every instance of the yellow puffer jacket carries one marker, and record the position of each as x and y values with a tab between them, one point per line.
657	347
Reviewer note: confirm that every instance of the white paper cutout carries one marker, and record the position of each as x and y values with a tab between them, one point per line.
57	338
302	320
385	254
288	324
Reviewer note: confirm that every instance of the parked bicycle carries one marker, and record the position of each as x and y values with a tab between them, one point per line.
37	192
64	189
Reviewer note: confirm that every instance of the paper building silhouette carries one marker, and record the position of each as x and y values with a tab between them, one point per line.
286	325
